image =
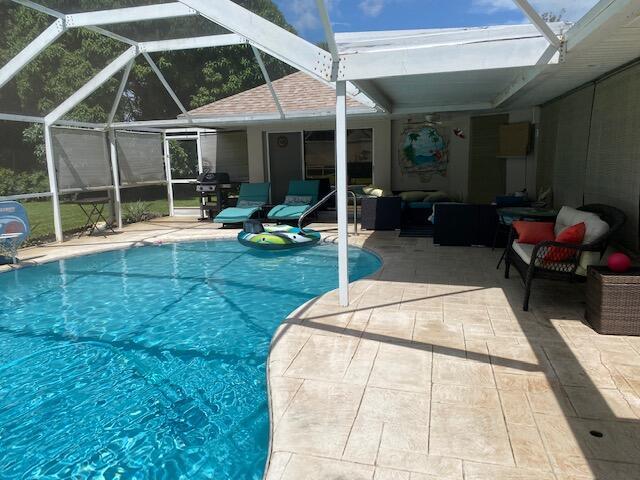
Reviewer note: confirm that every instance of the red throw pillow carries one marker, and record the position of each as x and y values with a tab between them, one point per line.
534	232
573	235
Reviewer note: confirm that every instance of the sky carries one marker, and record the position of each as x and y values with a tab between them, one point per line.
364	15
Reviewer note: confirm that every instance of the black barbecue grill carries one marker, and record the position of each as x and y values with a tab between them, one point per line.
210	184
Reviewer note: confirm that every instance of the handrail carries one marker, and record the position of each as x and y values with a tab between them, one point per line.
323	201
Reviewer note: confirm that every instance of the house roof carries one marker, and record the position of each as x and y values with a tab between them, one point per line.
297	92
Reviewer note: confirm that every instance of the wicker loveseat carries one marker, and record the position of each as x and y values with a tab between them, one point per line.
531	260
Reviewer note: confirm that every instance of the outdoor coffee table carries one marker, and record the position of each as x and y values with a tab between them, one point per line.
93	208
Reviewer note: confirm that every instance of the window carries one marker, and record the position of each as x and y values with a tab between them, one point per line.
319	156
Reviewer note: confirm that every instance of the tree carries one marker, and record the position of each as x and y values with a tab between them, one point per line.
197	76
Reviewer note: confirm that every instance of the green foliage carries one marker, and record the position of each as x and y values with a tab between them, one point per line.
198	76
14	183
136	212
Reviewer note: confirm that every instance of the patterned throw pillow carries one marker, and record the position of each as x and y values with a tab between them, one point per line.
296	200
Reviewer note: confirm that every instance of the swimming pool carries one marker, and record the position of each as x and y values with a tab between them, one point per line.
148	362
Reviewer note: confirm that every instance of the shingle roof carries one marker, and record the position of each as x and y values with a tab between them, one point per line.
297	92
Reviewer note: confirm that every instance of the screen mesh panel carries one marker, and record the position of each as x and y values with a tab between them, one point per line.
226	152
571	147
547	145
81	158
140	157
613	165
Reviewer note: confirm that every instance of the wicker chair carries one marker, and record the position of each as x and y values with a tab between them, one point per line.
565	270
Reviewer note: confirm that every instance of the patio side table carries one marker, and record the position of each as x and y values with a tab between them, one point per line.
613	301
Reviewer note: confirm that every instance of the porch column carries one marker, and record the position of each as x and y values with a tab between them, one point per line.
115	170
167	172
341	188
53	182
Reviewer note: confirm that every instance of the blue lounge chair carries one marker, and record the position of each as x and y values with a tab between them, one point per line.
252	197
301	196
14	229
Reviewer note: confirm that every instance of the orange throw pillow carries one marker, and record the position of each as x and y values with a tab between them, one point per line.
573	235
534	232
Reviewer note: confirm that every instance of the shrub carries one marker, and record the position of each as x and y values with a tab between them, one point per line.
15	183
137	212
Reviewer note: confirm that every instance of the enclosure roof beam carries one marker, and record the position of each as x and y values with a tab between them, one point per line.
91	86
123	84
129	14
423	60
29	52
192	42
267	79
12	117
330	38
60	15
268	37
538	22
526	78
166	85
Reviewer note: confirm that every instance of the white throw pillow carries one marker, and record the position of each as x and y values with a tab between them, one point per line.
595	226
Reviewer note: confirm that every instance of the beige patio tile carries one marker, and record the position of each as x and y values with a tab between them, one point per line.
390	326
527	447
281	391
402	367
364	441
599	404
475	397
285	345
519	359
409	438
318	419
389	474
323	358
361	363
277	464
461	371
313	468
478	434
394	406
515	406
483	471
438	467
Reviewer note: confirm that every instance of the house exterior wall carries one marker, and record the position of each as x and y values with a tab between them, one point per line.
381	144
456	180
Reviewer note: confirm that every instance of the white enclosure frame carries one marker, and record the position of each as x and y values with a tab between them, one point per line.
338	70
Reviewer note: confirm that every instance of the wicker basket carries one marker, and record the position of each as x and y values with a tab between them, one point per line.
613	301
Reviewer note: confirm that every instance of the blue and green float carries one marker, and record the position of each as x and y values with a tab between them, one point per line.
277	237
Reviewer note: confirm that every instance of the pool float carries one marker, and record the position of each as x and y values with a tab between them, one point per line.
280	237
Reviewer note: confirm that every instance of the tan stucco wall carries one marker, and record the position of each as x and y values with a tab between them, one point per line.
381	144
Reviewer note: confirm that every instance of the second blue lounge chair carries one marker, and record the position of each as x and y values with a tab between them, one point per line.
252	197
301	196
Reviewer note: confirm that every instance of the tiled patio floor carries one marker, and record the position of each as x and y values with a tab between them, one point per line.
434	371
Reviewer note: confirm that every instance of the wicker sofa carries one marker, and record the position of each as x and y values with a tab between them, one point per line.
530	260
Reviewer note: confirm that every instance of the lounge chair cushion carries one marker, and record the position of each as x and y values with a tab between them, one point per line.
287	212
595	226
235	214
249	203
374	191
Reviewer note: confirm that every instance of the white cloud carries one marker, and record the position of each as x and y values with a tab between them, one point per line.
305	13
574	9
371	8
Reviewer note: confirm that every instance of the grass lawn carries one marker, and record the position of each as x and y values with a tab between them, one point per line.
41	214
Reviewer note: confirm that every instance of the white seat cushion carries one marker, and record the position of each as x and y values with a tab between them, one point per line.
524	250
595	226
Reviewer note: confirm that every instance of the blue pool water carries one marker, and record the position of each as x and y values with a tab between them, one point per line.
150	362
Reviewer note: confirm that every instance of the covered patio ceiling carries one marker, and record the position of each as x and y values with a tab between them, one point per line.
389	72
